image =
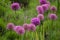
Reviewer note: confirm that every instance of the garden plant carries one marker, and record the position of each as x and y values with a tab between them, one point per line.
29	20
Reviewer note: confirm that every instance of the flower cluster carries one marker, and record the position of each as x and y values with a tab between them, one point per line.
52	16
45	5
15	6
19	29
53	8
10	26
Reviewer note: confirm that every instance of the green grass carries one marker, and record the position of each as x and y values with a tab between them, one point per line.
53	32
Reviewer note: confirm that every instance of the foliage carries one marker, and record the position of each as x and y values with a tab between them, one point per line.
7	15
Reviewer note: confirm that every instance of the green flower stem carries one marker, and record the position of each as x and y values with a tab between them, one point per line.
42	29
32	38
52	23
15	11
14	14
25	35
25	18
25	15
20	37
52	26
29	35
42	32
58	6
39	30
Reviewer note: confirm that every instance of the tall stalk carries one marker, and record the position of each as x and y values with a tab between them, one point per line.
43	32
14	15
58	5
25	18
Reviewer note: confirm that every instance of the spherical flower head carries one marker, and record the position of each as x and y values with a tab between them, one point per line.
10	26
53	8
32	27
45	7
48	3
16	28
15	6
35	21
41	17
52	16
19	30
40	10
43	2
26	26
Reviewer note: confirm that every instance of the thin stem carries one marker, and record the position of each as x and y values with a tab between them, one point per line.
52	23
51	27
25	18
25	15
33	36
42	32
25	35
15	11
39	31
14	14
20	37
58	6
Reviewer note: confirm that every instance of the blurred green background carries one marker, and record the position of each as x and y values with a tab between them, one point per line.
7	15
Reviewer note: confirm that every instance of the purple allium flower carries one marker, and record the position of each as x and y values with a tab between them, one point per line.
16	28
40	10
52	16
26	26
43	2
53	8
19	30
15	6
40	16
10	26
45	7
48	3
35	21
32	27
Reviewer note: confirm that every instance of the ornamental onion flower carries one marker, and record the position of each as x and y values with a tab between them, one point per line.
52	16
15	6
26	26
40	10
10	26
43	2
35	21
19	30
41	17
53	8
32	27
45	7
48	3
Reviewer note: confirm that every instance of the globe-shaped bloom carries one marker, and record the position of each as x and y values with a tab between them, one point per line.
53	8
35	21
10	26
43	2
45	7
40	10
26	26
16	28
19	30
48	3
52	16
32	27
15	6
41	17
